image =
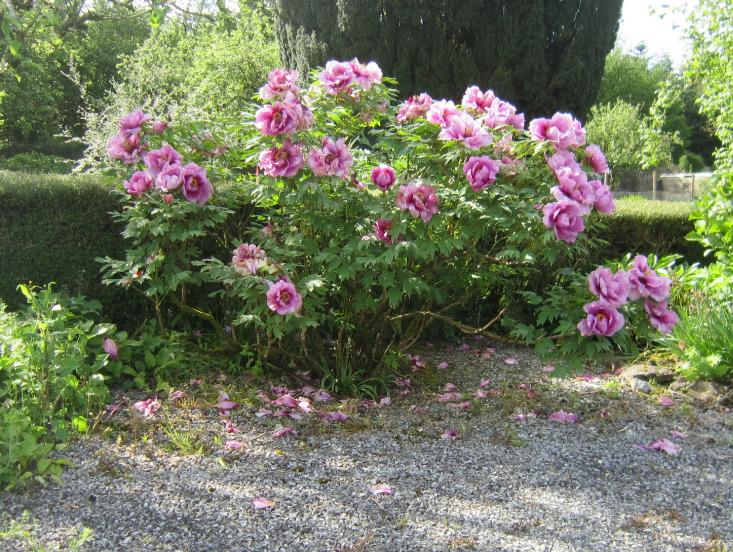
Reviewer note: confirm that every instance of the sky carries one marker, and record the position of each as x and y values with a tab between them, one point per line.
641	22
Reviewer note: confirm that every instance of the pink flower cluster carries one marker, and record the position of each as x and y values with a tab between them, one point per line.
575	194
457	125
332	159
128	145
562	131
283	116
414	107
494	112
419	199
613	291
164	168
342	76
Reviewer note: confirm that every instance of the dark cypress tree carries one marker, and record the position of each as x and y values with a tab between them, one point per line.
542	55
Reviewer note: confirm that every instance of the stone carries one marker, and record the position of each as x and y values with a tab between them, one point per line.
647	372
679	385
640	385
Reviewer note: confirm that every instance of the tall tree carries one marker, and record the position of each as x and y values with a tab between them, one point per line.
543	55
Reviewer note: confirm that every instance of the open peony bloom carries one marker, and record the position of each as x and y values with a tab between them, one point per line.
609	287
156	160
603	199
414	107
502	113
383	177
333	159
440	113
597	160
337	76
644	282
132	123
574	186
169	178
561	130
565	218
659	317
110	347
282	161
419	199
302	112
127	148
279	82
477	101
283	298
277	118
248	258
465	129
480	172
196	186
381	230
367	74
139	183
603	319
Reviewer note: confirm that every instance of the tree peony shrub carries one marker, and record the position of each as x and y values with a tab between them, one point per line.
371	221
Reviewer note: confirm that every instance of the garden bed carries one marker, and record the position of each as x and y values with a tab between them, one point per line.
505	483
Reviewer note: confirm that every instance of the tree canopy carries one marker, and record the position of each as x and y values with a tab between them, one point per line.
542	55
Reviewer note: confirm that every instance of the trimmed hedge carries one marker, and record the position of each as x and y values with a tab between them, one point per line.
52	227
641	226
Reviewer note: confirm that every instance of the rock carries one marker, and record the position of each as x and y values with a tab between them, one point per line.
707	387
680	385
647	372
640	385
726	399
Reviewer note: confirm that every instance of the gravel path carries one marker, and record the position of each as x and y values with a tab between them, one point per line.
502	485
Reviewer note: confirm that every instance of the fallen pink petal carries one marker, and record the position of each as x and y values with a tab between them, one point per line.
511	360
678	435
450	387
481	394
464	347
147	407
443	366
287	401
283	432
666	401
195	382
484	382
261	503
229	426
548	368
385	401
419	409
333	416
459	406
322	396
233	445
662	445
175	395
563	417
381	488
263	413
447	397
450	435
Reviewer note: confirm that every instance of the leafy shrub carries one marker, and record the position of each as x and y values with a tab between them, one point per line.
187	71
52	227
50	381
331	273
37	163
641	225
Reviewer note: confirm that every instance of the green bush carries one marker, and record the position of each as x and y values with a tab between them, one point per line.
642	226
33	162
52	227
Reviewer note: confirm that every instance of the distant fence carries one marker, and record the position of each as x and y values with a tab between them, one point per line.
663	186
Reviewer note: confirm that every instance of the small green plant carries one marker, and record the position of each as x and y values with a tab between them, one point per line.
33	162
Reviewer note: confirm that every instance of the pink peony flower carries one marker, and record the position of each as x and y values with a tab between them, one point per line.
440	113
644	282
156	160
659	317
110	347
333	159
282	161
139	183
279	82
597	160
132	123
565	218
169	178
562	159
277	118
574	186
419	199
302	112
480	172
611	288
337	76
248	258
383	177
477	101
561	130
414	107
603	319
196	187
125	148
159	127
366	75
603	200
283	298
465	129
381	230
503	113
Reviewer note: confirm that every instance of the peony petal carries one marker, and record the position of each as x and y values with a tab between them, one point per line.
450	435
381	488
563	417
678	435
666	401
511	360
442	366
548	368
261	503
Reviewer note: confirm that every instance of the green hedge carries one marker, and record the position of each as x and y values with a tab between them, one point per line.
641	226
52	227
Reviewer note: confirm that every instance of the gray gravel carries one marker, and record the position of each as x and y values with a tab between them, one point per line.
502	485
